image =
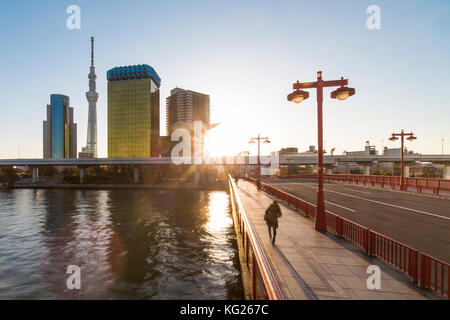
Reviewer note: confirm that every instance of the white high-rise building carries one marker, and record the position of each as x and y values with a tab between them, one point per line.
90	151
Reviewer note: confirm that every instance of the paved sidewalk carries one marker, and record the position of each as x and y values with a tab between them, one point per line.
314	265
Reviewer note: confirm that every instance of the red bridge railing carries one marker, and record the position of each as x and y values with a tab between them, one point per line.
419	184
431	273
355	233
434	274
264	283
395	253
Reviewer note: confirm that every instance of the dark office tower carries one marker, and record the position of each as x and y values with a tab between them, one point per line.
60	132
187	106
133	112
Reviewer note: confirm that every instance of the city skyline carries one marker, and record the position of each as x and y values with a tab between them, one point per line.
234	63
221	152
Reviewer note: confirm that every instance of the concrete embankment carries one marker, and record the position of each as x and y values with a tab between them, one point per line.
54	183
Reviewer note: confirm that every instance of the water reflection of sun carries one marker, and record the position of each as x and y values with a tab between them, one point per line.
218	218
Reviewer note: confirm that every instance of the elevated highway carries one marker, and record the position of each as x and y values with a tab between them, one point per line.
273	161
282	160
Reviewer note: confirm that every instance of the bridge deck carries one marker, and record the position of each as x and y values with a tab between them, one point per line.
312	265
419	221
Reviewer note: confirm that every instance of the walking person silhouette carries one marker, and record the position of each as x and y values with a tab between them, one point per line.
273	212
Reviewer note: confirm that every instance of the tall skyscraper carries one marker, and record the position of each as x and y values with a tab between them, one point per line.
60	132
187	106
90	151
133	112
183	108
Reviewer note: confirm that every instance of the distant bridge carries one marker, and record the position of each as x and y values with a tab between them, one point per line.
330	161
282	160
300	159
366	161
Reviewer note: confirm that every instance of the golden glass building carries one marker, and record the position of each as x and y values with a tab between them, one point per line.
133	111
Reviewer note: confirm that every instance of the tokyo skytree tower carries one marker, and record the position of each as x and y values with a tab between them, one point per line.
92	97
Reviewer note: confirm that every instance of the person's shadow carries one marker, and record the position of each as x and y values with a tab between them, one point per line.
307	290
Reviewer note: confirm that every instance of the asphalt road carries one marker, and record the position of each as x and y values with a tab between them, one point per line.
419	221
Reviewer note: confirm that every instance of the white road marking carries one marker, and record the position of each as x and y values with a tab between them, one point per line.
337	205
383	203
332	203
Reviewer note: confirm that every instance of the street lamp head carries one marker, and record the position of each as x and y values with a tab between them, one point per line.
298	96
342	93
267	141
319	75
412	138
251	141
393	138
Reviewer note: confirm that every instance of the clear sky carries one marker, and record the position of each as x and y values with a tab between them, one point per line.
245	55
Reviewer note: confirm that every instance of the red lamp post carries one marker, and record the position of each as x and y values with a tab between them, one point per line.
411	137
259	138
298	96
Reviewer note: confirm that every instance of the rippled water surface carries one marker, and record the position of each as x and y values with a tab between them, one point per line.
129	244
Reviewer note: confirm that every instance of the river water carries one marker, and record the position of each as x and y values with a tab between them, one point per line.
128	244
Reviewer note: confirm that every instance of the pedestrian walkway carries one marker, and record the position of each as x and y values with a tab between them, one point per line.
315	266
